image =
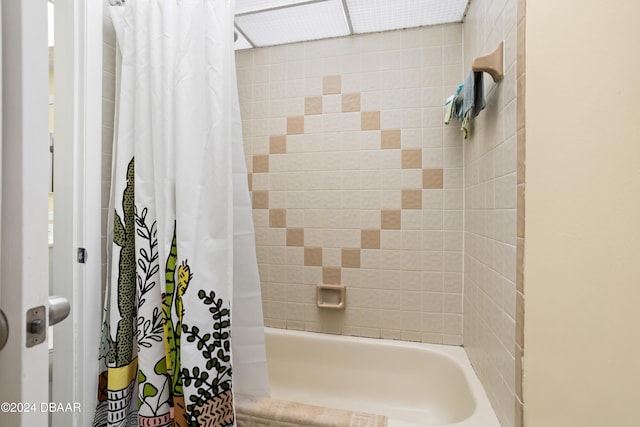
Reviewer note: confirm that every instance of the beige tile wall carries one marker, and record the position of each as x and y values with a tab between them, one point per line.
520	203
491	211
355	180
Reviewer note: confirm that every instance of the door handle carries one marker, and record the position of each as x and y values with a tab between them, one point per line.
4	330
59	309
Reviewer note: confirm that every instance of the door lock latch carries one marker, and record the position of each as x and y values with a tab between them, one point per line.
59	309
36	326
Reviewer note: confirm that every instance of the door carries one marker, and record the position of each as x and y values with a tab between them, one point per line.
23	208
23	249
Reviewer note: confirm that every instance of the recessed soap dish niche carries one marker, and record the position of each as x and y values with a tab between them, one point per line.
331	296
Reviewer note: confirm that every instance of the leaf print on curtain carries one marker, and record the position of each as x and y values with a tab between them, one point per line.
118	361
182	329
173	308
214	401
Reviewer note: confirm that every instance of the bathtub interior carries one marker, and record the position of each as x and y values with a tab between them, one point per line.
412	384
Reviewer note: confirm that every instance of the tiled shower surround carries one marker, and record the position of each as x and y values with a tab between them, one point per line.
494	209
356	181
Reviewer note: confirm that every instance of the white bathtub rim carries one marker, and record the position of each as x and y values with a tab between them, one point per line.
483	415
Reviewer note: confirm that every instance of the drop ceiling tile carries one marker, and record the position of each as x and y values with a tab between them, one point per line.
244	6
309	21
382	15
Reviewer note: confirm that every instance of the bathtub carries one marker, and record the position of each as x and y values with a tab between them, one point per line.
366	382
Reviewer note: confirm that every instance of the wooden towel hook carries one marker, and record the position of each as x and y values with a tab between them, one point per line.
492	63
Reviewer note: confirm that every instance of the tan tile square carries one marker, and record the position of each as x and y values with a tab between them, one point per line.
519	355
432	178
350	102
519	410
351	257
331	85
313	105
520	319
390	219
520	49
390	139
260	163
250	181
520	205
521	149
313	256
278	144
278	218
295	236
521	9
295	125
520	106
260	200
411	199
412	159
520	265
332	275
370	120
370	239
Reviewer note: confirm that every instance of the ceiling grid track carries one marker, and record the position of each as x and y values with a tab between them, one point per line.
263	23
347	15
284	6
239	30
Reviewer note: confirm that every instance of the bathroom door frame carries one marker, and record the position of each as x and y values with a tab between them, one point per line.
77	212
23	272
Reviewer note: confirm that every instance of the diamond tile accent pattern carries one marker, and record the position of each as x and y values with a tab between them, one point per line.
356	181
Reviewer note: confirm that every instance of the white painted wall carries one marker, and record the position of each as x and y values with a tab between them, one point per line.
582	253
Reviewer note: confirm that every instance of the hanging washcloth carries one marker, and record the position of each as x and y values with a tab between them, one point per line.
448	110
453	105
473	101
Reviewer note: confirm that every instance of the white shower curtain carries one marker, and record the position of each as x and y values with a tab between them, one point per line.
183	298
